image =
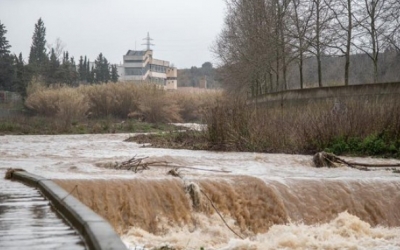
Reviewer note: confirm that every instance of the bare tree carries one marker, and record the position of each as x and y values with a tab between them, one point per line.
58	47
342	30
247	46
321	36
300	17
379	24
282	49
262	38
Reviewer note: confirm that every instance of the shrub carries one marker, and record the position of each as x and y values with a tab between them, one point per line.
66	104
192	104
112	99
72	106
156	106
43	102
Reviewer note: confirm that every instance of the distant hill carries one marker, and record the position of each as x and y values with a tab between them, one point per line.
191	77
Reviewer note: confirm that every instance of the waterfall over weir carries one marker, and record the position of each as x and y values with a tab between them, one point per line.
350	210
256	201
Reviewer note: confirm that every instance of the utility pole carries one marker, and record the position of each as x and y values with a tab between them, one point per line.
148	41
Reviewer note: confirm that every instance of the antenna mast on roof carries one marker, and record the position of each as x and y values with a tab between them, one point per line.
148	41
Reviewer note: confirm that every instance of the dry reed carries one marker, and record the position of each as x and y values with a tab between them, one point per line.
300	127
146	102
63	103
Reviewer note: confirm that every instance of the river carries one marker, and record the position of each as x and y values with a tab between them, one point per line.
222	200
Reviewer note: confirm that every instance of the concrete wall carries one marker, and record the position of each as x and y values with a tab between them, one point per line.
171	85
364	92
203	83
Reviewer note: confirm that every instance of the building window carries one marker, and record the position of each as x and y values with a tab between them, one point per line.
133	71
158	68
134	61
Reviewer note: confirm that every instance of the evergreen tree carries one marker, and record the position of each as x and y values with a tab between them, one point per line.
73	73
6	62
89	78
65	57
98	77
114	73
105	70
85	67
102	69
4	46
38	56
22	76
92	75
67	72
53	69
82	69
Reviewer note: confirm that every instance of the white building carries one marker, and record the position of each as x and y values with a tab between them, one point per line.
141	66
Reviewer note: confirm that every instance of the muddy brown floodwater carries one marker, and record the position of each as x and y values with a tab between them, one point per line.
270	201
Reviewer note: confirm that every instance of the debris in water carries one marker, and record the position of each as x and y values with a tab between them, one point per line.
324	159
194	192
139	164
134	164
174	172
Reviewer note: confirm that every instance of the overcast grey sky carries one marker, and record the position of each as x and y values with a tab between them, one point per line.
183	30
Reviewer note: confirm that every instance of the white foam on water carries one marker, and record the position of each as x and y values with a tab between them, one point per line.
346	231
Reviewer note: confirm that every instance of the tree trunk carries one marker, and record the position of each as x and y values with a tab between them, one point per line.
318	45
349	31
301	70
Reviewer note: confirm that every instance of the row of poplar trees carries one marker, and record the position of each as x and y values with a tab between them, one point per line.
50	65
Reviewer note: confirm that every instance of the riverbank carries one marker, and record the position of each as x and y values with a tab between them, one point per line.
373	145
38	125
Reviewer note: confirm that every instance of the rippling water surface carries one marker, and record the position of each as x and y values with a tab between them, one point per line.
27	221
272	201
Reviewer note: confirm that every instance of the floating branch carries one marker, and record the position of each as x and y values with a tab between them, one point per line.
324	159
135	164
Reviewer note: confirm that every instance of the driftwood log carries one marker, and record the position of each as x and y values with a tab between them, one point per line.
137	164
324	159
